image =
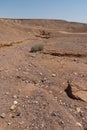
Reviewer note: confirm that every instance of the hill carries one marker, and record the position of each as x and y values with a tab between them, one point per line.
45	89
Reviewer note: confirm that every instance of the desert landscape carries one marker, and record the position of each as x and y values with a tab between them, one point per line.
47	89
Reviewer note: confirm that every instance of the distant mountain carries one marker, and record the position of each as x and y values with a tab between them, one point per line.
16	29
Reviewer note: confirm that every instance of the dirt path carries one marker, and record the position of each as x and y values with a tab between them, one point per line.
77	33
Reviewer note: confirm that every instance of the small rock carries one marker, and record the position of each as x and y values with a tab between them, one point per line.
41	74
53	75
23	106
75	73
12	107
19	77
42	125
15	96
45	78
53	114
9	123
46	86
16	69
55	98
19	68
26	81
27	96
19	90
81	114
83	118
60	102
78	109
36	102
74	59
62	122
10	115
15	102
50	92
61	92
30	65
18	114
79	124
21	123
6	93
3	115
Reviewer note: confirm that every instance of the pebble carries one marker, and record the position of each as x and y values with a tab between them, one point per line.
12	107
46	86
78	109
56	97
53	75
19	68
19	90
53	114
15	102
79	124
21	123
26	81
30	65
50	92
18	76
74	59
36	102
41	74
9	123
60	102
75	73
62	122
27	96
16	69
3	115
15	96
6	93
45	78
61	92
42	125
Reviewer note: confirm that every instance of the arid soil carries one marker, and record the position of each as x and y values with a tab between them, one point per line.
46	90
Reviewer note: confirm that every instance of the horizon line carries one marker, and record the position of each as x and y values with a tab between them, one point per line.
51	19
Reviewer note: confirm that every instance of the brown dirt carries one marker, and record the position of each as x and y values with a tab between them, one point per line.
33	86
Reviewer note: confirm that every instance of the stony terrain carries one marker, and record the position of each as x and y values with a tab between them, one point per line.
45	90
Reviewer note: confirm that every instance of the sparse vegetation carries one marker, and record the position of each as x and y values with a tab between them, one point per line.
38	47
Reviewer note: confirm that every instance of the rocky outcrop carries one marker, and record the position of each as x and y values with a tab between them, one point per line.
77	90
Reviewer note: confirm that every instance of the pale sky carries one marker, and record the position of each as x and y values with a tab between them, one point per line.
70	10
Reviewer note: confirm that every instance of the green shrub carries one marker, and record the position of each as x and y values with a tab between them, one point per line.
38	47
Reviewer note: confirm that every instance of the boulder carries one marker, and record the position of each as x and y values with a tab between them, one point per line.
77	90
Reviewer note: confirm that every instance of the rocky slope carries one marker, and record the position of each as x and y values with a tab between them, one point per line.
45	90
